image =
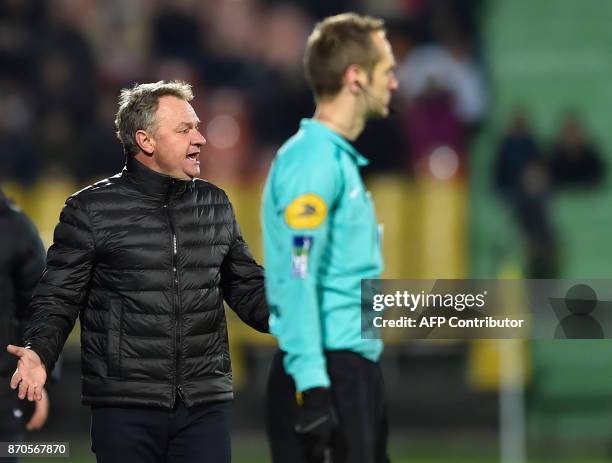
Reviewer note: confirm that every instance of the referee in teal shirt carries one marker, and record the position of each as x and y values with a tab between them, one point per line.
321	238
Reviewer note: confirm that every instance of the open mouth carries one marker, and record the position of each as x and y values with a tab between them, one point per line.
193	156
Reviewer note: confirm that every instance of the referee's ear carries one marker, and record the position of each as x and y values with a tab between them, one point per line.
353	77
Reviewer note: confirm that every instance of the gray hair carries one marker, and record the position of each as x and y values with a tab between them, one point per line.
137	107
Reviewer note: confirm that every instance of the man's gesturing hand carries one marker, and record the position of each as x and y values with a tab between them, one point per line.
30	374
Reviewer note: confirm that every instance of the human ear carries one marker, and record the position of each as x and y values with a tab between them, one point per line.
354	78
145	142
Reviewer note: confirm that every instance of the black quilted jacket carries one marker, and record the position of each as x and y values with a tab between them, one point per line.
146	262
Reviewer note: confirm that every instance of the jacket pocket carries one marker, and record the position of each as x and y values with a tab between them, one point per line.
114	333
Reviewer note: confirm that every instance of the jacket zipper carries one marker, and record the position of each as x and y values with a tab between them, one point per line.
175	296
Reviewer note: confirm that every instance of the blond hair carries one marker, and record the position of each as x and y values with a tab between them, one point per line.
336	43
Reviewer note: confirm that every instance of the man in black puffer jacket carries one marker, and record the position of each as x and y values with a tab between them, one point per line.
22	260
146	258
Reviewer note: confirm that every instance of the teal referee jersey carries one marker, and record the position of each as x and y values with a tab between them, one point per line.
320	240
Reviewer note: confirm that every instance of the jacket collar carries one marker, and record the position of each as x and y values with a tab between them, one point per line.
314	126
153	183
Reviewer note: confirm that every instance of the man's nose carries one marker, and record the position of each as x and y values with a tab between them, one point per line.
199	139
393	83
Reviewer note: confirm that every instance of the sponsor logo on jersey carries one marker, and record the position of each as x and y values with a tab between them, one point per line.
306	211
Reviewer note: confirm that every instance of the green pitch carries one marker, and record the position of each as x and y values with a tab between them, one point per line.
254	450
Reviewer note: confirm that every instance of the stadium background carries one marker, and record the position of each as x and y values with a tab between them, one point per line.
62	63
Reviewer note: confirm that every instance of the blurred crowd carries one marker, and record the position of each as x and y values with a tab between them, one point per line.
62	63
529	172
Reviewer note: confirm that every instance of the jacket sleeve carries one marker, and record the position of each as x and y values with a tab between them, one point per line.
63	287
29	266
242	282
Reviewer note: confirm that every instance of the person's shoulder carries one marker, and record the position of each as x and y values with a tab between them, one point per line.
16	228
307	151
306	164
211	192
210	195
15	217
9	208
102	190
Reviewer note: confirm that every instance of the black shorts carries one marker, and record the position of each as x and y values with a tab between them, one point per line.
358	395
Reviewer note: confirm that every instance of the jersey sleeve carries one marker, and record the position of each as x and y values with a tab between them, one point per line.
305	194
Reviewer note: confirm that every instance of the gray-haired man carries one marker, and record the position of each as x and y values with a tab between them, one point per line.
145	259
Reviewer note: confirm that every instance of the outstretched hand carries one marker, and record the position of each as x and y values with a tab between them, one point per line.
30	375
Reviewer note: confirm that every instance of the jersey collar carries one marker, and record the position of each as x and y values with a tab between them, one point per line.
314	126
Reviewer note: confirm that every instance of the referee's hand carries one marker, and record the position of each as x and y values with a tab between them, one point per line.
316	422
